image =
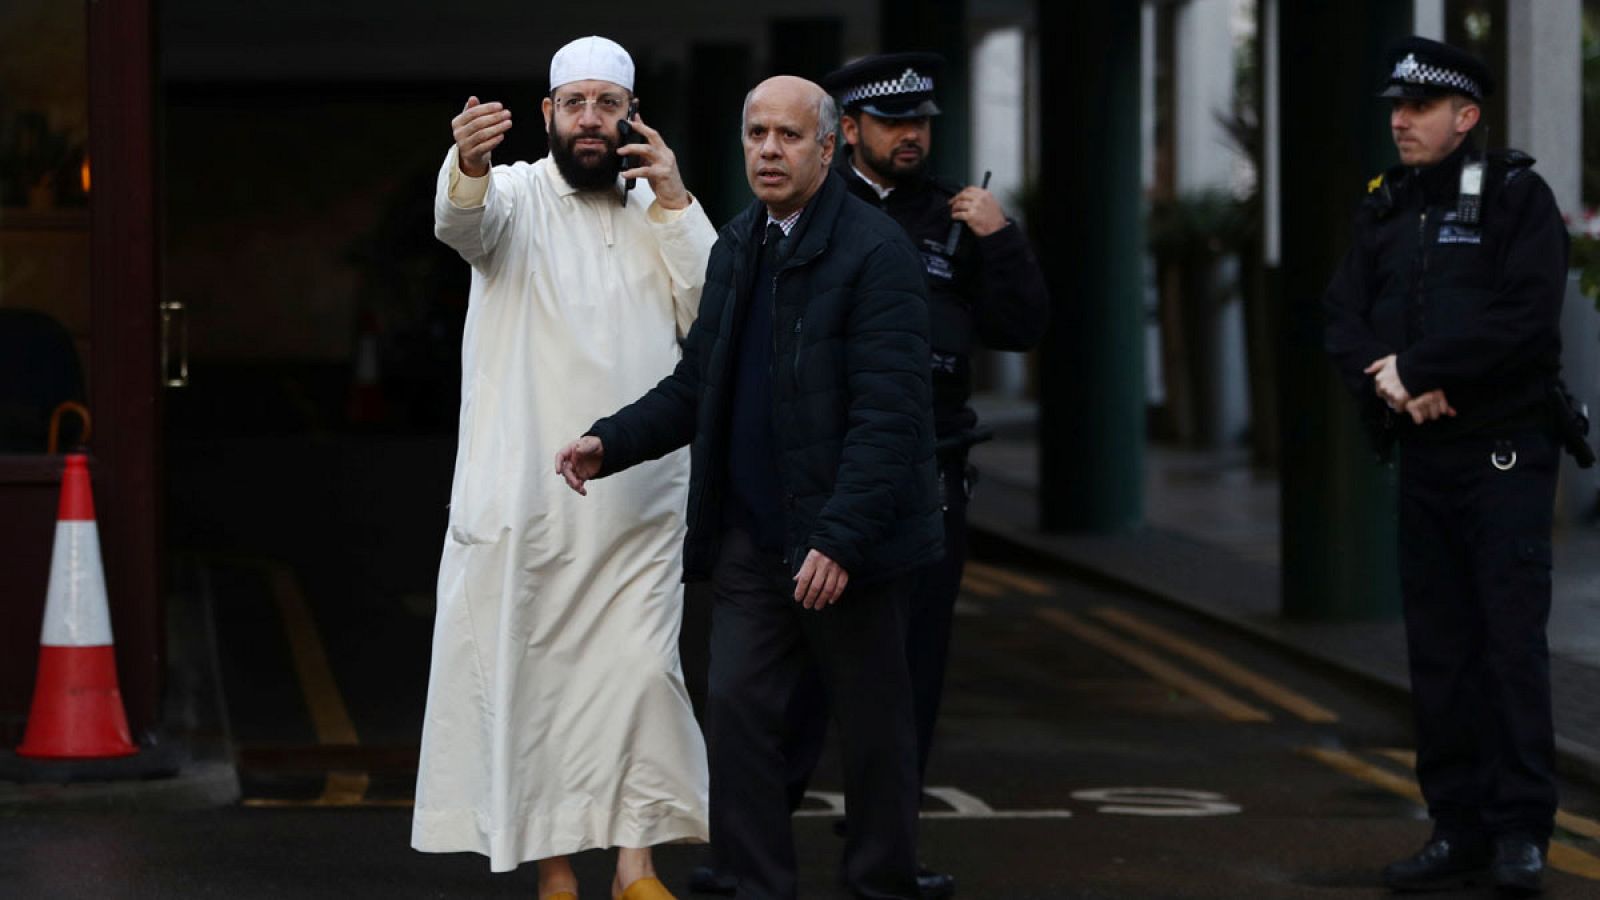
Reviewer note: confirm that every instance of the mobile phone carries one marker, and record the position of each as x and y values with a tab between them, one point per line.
627	135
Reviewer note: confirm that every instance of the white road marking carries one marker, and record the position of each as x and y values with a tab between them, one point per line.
1146	801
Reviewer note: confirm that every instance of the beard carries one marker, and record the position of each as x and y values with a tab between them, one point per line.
589	170
891	169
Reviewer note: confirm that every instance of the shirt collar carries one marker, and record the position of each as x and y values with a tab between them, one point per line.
882	192
786	223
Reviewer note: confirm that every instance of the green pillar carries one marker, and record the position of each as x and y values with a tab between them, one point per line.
1338	505
941	27
1090	234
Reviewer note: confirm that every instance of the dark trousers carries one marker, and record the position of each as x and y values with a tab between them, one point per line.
1475	576
761	644
933	604
932	611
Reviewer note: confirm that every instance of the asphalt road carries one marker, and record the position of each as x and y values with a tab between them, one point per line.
1094	745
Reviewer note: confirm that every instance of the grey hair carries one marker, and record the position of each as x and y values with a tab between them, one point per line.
827	116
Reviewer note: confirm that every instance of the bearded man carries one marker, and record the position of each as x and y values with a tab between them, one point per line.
557	719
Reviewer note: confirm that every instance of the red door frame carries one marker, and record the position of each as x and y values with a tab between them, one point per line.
124	383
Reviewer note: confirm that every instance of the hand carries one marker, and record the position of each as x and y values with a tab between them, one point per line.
1386	381
1429	406
657	164
820	582
479	129
979	209
579	461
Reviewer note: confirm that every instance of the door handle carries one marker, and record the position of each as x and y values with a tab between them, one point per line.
174	366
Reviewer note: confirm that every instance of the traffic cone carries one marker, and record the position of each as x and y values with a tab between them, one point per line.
77	707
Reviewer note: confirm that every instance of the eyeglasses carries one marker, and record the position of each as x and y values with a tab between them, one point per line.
609	105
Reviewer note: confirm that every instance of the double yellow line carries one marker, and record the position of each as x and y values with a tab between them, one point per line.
1564	856
992	581
1225	704
330	718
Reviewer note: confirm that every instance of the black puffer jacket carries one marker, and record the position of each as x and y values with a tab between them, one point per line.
852	402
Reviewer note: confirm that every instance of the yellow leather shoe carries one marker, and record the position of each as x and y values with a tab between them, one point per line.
560	895
646	889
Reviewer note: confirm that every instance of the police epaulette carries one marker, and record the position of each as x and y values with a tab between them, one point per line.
1514	161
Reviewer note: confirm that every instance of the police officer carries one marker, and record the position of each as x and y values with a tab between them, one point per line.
1442	320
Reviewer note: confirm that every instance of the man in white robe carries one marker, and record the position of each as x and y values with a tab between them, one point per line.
557	718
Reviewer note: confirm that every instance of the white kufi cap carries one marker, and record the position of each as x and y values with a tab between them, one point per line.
591	58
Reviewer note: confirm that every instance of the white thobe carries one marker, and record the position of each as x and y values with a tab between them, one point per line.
557	717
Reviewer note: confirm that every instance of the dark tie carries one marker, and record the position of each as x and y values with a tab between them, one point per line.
769	249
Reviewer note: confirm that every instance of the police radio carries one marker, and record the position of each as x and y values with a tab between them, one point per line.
1469	202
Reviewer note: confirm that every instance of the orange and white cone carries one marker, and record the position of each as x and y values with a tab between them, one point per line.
77	707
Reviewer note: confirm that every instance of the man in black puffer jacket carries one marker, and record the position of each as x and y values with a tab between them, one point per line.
805	392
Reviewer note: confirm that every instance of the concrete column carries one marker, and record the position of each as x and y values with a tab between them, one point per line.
1544	110
998	127
1271	140
1203	80
1427	19
1544	91
1206	160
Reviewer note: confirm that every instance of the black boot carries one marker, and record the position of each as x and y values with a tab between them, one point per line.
1518	867
1444	863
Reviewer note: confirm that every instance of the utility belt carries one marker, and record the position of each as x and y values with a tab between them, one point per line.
1567	418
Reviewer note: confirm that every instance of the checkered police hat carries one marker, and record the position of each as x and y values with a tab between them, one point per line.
887	85
1423	69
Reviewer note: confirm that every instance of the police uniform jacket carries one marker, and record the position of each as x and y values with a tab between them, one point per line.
1472	309
989	292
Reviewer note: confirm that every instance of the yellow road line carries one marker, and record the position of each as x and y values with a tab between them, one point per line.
1407	758
975	584
1218	665
1010	579
1356	767
329	716
1226	704
1577	824
1563	856
1573	861
342	789
1581	825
